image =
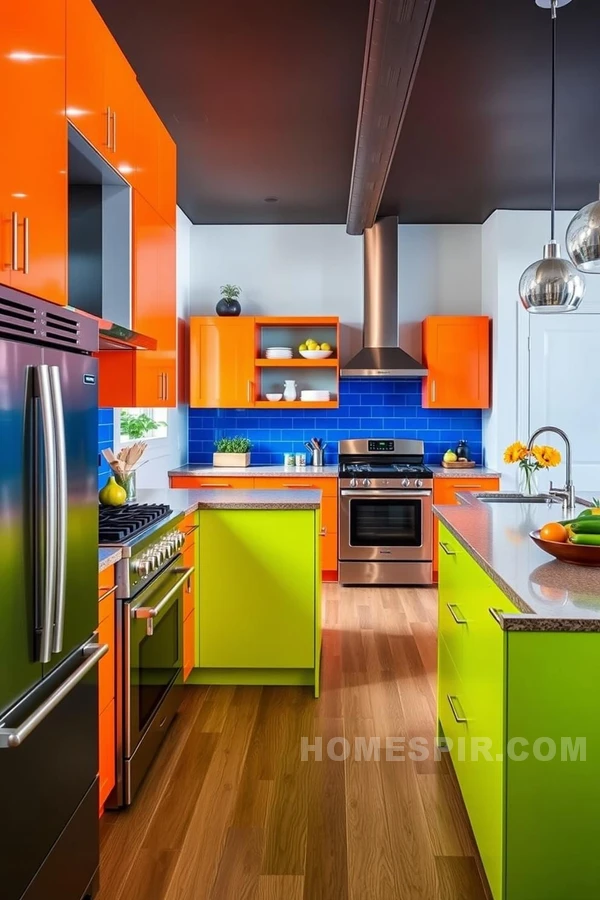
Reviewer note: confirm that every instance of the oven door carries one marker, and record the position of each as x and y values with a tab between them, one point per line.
153	648
386	525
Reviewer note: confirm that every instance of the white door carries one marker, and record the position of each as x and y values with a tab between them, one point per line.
564	390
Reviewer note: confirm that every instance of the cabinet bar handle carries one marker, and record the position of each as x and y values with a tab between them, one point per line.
108	593
460	719
323	531
214	485
470	487
26	245
294	487
249	391
166	385
459	621
114	132
15	242
496	614
433	391
108	124
447	549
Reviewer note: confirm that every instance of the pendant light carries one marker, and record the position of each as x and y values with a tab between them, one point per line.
583	238
552	284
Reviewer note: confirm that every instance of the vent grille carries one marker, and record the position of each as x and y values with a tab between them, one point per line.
24	318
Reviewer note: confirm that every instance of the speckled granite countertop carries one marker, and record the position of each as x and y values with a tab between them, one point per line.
188	501
553	596
474	472
108	556
259	471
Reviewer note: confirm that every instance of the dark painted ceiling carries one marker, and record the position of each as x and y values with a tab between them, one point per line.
262	99
477	132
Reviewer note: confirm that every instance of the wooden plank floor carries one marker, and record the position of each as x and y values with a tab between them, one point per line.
229	810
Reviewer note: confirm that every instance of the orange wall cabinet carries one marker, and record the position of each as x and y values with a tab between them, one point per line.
155	176
147	378
106	684
101	87
33	150
444	494
456	351
222	353
229	368
167	176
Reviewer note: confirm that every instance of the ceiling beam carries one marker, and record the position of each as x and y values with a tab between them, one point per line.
395	38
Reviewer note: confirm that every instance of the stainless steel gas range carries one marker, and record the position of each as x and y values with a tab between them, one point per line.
149	635
385	513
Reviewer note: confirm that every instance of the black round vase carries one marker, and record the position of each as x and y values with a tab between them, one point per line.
228	307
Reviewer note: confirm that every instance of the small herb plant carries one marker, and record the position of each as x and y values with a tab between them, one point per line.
233	445
230	292
138	426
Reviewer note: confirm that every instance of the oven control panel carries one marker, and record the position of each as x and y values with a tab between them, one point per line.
156	555
381	446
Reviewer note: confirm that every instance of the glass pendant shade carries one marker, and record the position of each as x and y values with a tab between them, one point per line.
583	238
552	284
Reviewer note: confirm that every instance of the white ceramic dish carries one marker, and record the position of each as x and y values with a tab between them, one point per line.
273	397
315	395
315	354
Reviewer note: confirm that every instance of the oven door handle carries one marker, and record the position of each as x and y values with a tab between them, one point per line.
405	495
151	612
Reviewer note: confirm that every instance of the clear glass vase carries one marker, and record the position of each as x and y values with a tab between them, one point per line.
528	481
128	482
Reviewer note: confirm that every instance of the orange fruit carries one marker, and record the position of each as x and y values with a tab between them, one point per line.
554	531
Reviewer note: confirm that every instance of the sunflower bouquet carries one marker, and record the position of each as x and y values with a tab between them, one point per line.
531	461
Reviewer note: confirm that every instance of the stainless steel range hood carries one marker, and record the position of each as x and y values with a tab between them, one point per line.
381	355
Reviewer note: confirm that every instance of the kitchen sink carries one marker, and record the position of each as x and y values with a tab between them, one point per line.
508	497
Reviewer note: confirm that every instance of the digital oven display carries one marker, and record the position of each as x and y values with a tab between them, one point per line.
381	446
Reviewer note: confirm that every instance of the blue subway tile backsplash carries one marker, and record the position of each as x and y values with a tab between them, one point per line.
369	407
105	440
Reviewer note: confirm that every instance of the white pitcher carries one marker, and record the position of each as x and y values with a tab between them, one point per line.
289	390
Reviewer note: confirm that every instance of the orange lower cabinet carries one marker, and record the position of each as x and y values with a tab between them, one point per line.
189	644
218	481
189	588
329	554
444	494
328	486
106	666
107	753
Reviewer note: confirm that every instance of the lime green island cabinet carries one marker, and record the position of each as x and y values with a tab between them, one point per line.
258	587
519	700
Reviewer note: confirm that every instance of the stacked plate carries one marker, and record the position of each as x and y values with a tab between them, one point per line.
278	353
315	396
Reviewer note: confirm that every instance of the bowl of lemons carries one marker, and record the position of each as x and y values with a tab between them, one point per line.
312	350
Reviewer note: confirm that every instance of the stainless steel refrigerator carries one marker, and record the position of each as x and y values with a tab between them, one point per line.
48	601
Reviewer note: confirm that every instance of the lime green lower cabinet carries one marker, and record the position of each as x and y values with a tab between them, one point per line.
259	583
501	694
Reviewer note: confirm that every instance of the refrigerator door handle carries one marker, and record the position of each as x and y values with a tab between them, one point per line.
49	580
14	737
61	510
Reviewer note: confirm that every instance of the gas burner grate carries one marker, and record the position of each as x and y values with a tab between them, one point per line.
117	524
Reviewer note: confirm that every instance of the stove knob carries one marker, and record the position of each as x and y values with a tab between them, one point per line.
405	483
158	552
418	483
366	482
180	539
353	482
141	567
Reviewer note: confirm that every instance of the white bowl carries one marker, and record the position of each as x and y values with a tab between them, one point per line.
273	397
315	354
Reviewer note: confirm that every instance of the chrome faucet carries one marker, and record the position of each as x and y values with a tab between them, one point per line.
567	494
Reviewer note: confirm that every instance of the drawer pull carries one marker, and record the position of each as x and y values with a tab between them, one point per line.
452	607
447	549
300	486
497	614
460	719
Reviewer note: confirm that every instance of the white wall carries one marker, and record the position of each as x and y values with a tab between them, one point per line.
511	241
318	270
166	454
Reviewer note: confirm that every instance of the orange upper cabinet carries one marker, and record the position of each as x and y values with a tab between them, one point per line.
33	149
456	351
86	51
156	160
101	87
167	176
222	355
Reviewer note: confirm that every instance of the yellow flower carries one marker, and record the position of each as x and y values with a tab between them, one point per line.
515	452
546	457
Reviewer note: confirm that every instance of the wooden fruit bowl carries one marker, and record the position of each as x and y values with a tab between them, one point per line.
576	554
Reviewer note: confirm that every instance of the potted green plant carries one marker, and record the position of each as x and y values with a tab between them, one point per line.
233	451
229	304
